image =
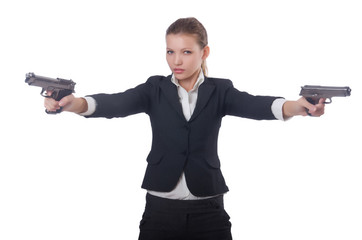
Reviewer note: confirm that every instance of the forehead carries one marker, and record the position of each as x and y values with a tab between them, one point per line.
181	40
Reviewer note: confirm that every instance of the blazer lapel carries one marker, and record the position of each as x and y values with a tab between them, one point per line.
205	91
170	91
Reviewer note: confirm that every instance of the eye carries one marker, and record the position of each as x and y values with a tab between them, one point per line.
187	52
169	52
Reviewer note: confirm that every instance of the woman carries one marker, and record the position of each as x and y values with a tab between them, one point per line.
183	178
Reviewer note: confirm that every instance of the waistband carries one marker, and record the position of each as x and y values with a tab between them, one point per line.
169	205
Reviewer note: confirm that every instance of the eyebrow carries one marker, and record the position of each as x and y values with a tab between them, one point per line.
183	49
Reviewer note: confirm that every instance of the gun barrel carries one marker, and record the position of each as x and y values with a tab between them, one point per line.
324	91
46	82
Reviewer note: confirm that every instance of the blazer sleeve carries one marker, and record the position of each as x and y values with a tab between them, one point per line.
129	102
243	104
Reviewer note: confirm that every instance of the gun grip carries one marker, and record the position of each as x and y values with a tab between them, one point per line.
313	101
60	94
57	96
55	112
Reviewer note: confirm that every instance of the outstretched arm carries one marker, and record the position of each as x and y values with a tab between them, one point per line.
122	104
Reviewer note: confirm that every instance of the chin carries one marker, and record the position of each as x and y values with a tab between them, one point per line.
180	76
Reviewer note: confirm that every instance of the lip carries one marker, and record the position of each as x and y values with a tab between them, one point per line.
178	70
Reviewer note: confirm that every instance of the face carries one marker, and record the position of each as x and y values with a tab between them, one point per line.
185	56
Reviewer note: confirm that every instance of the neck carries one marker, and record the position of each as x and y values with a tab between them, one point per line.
189	83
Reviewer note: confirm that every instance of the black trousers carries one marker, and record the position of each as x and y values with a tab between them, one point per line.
166	219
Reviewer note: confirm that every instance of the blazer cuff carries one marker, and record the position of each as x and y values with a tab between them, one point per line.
92	105
277	108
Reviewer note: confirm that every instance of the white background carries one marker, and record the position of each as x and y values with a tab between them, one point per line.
67	177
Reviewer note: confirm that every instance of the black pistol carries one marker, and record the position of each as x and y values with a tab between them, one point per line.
58	86
313	93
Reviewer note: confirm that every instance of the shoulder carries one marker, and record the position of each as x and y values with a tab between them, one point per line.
219	82
158	79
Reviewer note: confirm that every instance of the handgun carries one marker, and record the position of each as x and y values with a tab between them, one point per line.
313	93
58	86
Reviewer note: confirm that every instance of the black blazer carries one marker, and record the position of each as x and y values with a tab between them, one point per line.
177	144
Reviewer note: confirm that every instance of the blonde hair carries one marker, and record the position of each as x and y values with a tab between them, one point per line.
191	26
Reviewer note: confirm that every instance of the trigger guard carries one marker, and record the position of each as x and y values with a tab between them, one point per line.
45	91
44	94
330	101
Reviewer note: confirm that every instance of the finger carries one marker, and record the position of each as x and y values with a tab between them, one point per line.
50	104
320	109
66	100
52	108
322	101
49	93
310	107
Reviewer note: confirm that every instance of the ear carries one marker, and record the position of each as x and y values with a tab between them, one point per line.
206	52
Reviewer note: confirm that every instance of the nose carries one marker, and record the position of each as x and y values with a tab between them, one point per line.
178	60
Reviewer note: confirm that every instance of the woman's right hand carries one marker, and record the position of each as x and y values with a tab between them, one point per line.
68	103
